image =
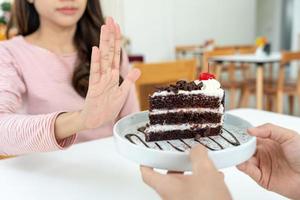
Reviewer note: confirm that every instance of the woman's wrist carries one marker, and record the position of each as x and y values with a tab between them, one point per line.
68	124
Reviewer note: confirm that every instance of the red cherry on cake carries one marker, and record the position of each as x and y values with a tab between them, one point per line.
206	76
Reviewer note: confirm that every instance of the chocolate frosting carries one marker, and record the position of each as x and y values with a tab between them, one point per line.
182	85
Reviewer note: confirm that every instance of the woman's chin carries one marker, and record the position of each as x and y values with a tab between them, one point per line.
66	23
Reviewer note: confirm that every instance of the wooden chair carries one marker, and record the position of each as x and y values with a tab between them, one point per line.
231	83
5	157
194	51
249	49
243	49
276	87
183	49
245	73
2	32
284	86
160	74
238	49
208	55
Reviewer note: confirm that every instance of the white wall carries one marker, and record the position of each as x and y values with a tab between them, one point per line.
296	36
150	27
229	22
157	26
1	1
296	26
268	21
113	8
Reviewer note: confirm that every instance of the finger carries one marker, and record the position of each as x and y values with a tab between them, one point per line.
117	53
251	170
253	161
200	160
151	178
129	81
95	66
272	132
104	48
111	25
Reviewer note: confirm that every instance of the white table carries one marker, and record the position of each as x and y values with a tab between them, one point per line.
259	62
94	170
249	58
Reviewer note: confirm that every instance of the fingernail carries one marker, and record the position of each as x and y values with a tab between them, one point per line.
103	28
94	49
138	72
134	75
109	21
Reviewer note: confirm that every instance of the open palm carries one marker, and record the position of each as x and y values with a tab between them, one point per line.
276	164
105	97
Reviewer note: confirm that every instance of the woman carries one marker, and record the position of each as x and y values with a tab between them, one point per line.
66	86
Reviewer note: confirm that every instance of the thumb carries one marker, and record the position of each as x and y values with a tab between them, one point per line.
151	178
130	79
200	160
273	132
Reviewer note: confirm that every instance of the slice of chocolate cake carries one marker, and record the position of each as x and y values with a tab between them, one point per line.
186	110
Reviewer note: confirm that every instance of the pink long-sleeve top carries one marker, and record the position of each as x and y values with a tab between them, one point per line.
35	87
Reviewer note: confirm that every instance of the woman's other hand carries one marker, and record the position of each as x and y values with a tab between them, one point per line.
276	163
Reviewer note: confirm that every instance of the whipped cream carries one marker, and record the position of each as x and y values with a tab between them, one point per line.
187	126
195	110
211	84
210	87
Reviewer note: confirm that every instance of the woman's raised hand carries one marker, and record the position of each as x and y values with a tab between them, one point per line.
105	97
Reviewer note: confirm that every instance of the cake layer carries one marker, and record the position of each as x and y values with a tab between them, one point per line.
185	117
184	101
185	126
219	110
182	134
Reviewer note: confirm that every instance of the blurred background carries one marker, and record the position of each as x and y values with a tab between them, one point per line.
251	46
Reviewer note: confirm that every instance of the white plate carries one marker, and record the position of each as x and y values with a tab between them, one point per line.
172	159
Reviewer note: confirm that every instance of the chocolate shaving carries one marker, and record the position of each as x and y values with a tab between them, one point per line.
181	85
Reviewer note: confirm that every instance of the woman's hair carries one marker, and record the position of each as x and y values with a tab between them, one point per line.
87	34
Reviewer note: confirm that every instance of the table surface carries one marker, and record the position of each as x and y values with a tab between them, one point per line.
94	170
249	58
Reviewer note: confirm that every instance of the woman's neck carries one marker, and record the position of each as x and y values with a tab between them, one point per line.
59	40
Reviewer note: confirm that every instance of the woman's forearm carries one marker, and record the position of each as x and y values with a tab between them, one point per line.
23	134
68	124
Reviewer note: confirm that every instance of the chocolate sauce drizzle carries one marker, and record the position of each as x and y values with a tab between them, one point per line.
158	146
216	142
176	148
236	142
186	144
212	149
129	137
